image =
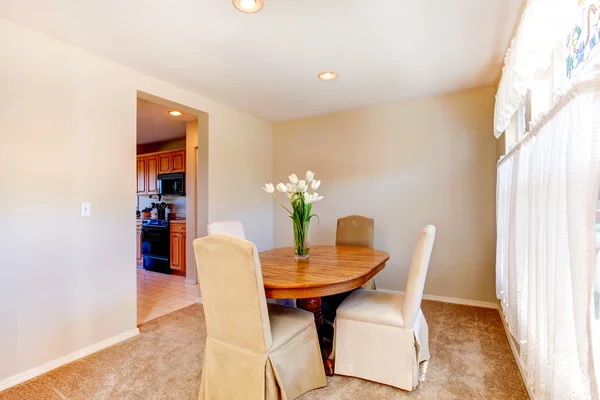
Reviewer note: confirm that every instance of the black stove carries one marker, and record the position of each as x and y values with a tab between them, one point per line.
156	245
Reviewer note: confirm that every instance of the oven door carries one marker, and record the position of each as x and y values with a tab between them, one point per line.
155	242
156	249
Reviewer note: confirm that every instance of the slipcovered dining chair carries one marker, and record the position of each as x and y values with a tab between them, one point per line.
353	230
382	335
234	228
253	350
356	230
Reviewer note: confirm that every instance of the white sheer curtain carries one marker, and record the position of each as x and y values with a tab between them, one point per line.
546	245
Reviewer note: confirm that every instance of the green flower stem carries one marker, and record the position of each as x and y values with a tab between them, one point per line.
301	216
281	204
301	223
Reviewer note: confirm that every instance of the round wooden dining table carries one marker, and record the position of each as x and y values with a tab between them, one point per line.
329	270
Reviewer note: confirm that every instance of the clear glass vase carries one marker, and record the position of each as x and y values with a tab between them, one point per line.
301	245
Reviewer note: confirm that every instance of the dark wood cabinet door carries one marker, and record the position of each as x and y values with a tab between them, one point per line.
152	174
141	175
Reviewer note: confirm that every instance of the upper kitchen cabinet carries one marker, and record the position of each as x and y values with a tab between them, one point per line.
152	174
141	174
150	165
178	161
172	161
164	163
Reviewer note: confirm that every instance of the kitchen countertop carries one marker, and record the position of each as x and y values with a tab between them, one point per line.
171	221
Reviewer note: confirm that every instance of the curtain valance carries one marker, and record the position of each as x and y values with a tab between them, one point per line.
543	23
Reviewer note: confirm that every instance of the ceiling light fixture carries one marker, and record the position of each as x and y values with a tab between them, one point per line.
175	113
327	76
248	6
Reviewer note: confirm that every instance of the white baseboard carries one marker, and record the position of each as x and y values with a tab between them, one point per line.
513	347
190	281
199	300
41	369
466	302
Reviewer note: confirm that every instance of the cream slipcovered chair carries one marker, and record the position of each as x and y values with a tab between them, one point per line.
253	351
356	230
234	228
353	230
382	335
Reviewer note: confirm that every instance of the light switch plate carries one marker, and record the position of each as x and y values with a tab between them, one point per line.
86	209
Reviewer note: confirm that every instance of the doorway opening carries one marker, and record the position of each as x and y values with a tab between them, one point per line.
168	176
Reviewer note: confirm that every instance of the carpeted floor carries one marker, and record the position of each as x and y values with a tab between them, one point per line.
470	359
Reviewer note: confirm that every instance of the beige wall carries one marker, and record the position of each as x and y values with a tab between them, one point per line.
197	187
406	165
67	134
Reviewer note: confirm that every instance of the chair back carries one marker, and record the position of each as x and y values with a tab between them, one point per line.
233	294
355	230
416	276
234	228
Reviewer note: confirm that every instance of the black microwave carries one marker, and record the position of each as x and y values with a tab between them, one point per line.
173	184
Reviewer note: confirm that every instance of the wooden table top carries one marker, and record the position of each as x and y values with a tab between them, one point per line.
329	270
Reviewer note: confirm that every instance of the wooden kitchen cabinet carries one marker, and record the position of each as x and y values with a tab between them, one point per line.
139	260
171	161
178	238
152	174
164	163
178	161
148	167
141	174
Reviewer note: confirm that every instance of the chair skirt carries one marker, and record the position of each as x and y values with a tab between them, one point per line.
230	372
386	354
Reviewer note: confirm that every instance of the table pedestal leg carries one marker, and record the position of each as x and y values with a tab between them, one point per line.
314	306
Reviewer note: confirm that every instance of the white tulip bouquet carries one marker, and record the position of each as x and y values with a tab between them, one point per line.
301	195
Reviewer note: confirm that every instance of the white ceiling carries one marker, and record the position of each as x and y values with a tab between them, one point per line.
267	63
155	124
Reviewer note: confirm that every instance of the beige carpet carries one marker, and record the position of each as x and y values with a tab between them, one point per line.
470	359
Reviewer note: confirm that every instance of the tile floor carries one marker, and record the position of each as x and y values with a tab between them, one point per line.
159	294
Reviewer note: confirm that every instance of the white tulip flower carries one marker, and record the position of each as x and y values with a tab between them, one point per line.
282	188
316	197
302	186
290	188
293	179
308	198
310	176
269	188
315	184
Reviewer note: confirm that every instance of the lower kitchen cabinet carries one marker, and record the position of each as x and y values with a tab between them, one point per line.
138	243
178	237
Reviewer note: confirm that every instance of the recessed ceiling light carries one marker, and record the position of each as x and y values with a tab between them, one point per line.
327	76
248	6
175	113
